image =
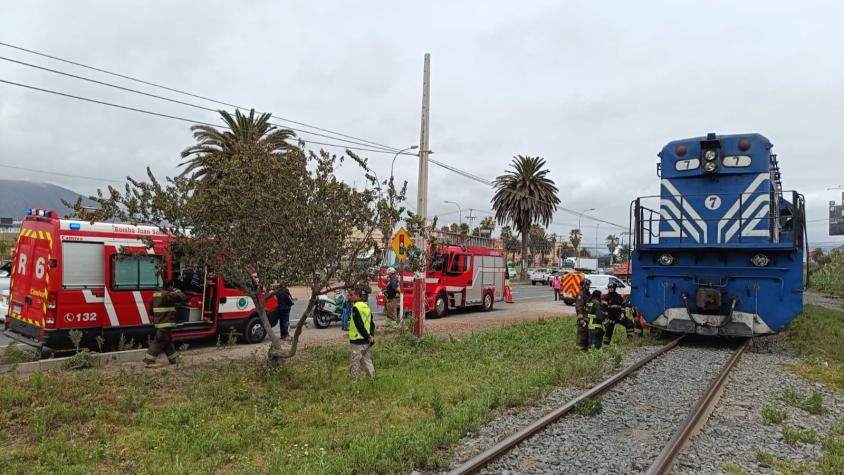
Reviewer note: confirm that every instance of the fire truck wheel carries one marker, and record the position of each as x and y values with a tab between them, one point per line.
568	302
440	306
254	331
487	306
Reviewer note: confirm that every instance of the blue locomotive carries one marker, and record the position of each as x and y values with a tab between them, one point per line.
720	250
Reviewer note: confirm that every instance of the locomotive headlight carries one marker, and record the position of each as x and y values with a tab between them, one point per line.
666	259
709	167
760	260
710	156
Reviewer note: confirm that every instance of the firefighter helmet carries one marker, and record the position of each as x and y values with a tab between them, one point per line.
585	282
612	286
391	270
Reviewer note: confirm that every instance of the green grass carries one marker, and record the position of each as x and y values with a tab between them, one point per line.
771	415
241	417
793	435
733	469
816	336
809	402
589	407
830	277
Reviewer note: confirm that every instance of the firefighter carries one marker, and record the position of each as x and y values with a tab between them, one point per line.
616	315
163	307
361	336
581	308
595	320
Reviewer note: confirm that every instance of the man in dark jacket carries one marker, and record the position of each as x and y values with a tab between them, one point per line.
285	303
361	336
595	320
163	308
615	314
392	294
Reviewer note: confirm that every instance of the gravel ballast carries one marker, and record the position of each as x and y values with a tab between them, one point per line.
638	417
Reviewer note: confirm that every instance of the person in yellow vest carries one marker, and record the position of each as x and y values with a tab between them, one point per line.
361	336
595	320
163	308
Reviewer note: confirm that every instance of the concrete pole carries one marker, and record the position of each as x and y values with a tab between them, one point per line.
419	297
422	192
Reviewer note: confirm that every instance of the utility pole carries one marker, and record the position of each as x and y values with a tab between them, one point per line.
471	218
422	192
420	305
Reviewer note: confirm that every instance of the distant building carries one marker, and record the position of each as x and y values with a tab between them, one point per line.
9	226
836	218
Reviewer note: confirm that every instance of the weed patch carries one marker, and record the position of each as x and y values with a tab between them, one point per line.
794	435
771	415
811	403
589	407
13	354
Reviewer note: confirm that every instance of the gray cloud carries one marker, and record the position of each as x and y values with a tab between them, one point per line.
596	88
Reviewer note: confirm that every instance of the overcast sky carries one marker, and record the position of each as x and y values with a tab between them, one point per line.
596	88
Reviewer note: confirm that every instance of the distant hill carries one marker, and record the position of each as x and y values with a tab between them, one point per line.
18	195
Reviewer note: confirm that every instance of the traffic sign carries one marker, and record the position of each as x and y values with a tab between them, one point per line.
401	244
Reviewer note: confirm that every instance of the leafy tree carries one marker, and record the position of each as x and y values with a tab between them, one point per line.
624	252
486	227
612	245
575	236
390	209
525	196
510	243
259	216
243	136
565	249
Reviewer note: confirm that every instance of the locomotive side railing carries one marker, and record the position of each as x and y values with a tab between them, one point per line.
785	220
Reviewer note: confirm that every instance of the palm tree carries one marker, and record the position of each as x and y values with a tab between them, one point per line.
242	135
612	245
525	196
575	237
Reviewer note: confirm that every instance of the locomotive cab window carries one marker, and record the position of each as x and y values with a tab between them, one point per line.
736	161
686	165
135	272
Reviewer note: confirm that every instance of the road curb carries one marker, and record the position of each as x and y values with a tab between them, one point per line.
100	360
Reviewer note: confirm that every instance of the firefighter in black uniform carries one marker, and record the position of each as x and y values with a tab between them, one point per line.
581	307
595	320
163	308
615	314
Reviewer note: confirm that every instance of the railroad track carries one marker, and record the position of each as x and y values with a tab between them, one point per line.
667	456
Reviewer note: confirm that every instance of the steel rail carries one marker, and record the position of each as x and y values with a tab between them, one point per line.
666	458
479	461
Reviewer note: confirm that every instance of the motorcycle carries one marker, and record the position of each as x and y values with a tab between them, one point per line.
328	310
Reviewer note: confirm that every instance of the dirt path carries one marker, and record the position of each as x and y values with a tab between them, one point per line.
455	323
824	300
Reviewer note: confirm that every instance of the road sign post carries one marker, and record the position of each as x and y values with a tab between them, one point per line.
401	244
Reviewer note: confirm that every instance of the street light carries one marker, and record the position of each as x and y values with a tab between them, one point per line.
597	249
581	230
412	147
459	210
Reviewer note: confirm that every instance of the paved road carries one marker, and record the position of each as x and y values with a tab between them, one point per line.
521	293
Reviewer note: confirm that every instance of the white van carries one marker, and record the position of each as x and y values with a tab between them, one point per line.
602	281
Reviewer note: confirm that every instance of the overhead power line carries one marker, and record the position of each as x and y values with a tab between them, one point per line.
167	116
190	94
46	172
168	99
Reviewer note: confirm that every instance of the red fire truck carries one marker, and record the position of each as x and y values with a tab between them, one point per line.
462	272
99	278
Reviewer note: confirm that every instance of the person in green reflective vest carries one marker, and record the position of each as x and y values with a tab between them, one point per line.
361	336
163	309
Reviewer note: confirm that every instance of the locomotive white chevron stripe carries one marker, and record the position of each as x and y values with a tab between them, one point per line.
693	216
754	185
750	229
670	211
746	222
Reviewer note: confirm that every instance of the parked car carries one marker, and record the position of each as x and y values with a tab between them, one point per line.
5	278
538	276
511	273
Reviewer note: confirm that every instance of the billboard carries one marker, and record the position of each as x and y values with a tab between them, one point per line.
836	218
